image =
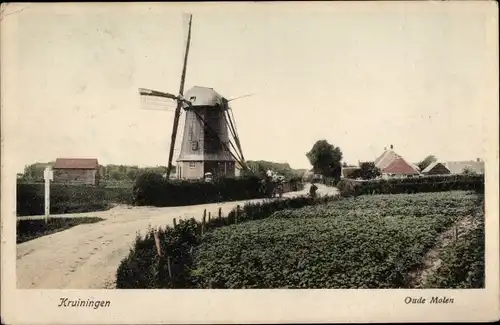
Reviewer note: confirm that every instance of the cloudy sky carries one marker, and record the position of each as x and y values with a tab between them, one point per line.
362	76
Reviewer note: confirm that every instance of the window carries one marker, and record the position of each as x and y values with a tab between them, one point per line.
192	164
194	145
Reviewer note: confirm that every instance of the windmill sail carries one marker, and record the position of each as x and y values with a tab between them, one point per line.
181	92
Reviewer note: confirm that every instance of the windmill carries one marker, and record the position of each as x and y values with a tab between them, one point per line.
208	129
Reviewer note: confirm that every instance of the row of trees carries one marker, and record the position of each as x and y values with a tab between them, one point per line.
125	173
119	173
260	167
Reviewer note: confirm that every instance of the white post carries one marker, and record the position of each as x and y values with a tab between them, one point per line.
47	175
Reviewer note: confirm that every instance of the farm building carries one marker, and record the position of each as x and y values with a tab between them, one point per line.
76	171
393	165
454	167
348	171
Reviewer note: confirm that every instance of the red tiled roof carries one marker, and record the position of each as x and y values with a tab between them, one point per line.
76	163
385	159
400	167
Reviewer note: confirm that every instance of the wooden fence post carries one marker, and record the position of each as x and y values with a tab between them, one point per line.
236	214
175	223
169	268
220	212
157	242
203	221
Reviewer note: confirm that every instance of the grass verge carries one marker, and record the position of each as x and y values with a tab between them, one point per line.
29	229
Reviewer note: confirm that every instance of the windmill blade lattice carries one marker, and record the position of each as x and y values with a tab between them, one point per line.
154	103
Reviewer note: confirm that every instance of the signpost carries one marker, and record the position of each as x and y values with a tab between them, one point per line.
48	176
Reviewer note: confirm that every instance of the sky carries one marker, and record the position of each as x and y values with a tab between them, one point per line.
362	76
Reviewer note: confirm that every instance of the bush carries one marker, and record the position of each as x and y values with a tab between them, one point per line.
152	189
418	185
347	187
143	268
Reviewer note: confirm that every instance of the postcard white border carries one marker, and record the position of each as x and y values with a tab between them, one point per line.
245	306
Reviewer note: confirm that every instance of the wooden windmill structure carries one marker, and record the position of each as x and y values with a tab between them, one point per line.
206	146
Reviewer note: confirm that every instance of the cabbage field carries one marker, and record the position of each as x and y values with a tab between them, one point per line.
375	241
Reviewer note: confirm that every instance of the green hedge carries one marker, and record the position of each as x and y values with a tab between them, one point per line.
153	190
144	269
413	185
68	198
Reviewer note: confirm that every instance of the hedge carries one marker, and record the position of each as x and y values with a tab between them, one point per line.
68	198
143	268
412	185
153	190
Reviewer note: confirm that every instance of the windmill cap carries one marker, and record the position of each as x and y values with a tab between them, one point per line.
204	96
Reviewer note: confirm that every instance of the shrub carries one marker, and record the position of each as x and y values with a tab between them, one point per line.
149	189
143	268
152	189
347	187
424	184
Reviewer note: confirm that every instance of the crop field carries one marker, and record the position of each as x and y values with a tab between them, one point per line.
375	241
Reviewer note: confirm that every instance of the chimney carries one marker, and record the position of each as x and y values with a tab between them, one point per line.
392	147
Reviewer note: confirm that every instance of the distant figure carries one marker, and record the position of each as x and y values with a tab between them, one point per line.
208	177
312	190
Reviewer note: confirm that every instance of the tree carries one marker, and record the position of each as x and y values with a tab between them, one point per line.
368	170
426	162
34	172
326	159
468	171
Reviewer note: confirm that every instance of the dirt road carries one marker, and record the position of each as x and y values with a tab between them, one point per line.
87	256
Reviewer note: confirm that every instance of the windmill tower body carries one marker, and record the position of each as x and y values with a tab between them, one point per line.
201	150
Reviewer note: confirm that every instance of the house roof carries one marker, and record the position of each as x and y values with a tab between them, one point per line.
204	96
391	163
400	167
432	165
346	171
76	163
457	167
385	159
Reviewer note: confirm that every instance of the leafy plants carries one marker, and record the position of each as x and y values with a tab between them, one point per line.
365	242
144	267
358	242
